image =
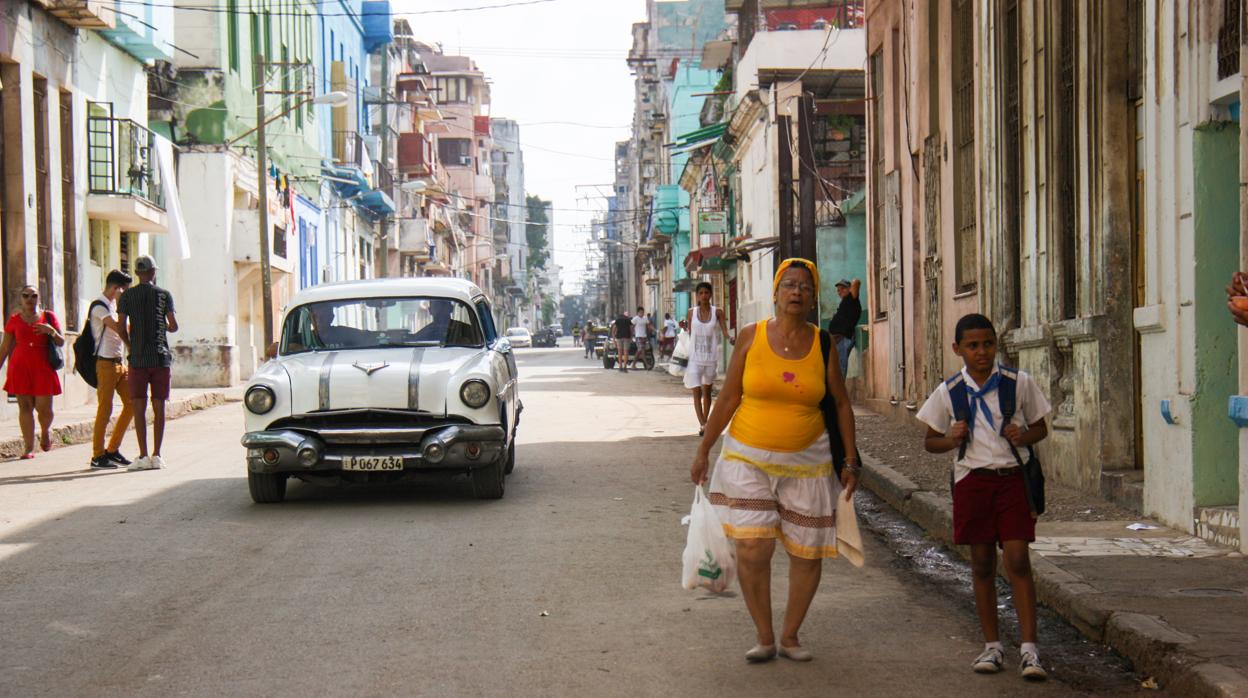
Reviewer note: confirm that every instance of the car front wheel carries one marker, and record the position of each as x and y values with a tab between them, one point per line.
487	482
511	457
266	488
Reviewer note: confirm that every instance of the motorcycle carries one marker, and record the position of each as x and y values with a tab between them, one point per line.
610	355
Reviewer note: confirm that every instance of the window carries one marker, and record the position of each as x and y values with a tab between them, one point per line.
254	21
231	18
69	220
125	250
964	192
279	242
97	240
1012	167
379	323
876	150
455	152
1066	156
452	90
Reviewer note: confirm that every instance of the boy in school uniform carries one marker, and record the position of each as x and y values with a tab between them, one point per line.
990	504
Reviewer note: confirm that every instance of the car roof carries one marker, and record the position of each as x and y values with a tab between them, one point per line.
446	287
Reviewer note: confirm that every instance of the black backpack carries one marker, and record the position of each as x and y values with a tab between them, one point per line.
84	349
828	407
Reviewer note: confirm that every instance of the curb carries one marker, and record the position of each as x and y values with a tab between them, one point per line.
80	432
1152	645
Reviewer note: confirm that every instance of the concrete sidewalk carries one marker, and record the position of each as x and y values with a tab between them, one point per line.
1173	604
74	425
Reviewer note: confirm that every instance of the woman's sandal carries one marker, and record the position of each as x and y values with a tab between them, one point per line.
26	456
45	442
761	653
797	653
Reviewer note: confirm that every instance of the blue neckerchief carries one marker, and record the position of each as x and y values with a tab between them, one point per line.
977	398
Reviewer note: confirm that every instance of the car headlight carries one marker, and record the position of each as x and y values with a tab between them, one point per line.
259	399
475	393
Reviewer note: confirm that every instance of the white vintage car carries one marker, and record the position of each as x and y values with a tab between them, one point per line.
383	381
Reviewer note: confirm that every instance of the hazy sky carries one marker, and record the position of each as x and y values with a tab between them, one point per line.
557	61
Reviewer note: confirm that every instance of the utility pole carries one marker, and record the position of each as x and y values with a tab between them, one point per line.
385	156
805	246
262	189
784	171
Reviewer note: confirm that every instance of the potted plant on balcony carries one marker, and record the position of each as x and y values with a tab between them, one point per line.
840	126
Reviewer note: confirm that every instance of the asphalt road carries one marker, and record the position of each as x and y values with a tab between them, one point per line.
173	583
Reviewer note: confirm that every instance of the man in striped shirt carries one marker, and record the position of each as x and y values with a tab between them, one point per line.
146	312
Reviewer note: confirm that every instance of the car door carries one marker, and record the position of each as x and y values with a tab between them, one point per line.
510	390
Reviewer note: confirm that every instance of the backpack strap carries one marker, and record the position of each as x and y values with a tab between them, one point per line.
961	404
95	351
1007	399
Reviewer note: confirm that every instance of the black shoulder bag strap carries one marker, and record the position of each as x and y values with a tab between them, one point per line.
828	407
1033	474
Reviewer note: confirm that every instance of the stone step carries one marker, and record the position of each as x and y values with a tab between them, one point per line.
1219	525
1124	488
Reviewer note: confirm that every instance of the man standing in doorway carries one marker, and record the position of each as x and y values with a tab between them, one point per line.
621	330
110	373
704	356
668	343
147	315
845	321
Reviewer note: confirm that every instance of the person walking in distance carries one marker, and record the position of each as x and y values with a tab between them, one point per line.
110	371
704	357
641	335
146	316
668	343
621	330
843	323
31	378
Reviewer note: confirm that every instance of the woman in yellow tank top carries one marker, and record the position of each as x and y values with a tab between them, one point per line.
774	477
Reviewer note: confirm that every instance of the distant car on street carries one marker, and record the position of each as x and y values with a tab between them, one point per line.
519	337
557	329
545	338
383	381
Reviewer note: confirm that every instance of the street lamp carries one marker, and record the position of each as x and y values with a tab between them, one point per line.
337	98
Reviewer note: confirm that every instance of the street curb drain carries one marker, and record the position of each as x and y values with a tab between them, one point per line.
80	432
1152	646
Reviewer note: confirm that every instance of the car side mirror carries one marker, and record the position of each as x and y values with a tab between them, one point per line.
502	345
271	351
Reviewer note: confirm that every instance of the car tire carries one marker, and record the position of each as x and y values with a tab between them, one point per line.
487	482
266	488
608	363
511	457
649	361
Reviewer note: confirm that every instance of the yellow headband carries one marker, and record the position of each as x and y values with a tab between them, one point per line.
810	266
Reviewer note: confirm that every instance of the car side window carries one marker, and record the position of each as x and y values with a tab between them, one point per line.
487	321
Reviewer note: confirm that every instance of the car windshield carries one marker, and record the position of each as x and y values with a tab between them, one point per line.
374	323
517	332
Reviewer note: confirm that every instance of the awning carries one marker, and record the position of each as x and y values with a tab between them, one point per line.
685	285
377	202
700	138
710	257
715	54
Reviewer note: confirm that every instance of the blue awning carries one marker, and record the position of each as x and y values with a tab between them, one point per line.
377	202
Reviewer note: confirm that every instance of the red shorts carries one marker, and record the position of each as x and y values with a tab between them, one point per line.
140	378
991	508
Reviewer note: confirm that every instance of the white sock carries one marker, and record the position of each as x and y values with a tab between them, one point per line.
1029	647
994	646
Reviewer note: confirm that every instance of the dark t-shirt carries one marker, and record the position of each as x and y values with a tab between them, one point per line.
623	327
146	305
846	318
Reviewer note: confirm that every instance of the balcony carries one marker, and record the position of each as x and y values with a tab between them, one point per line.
414	238
84	14
124	178
348	148
415	155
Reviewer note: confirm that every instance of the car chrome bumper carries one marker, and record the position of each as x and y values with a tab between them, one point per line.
439	448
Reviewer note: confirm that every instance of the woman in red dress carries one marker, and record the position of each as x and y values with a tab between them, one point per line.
30	377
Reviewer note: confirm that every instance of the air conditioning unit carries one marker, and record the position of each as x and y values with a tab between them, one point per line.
465	160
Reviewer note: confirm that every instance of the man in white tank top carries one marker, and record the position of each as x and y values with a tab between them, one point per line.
705	350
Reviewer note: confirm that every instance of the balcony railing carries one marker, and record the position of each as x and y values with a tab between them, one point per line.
348	148
415	154
121	160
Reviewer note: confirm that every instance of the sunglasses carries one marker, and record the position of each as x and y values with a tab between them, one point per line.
30	295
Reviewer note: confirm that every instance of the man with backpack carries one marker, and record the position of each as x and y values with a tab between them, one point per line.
110	372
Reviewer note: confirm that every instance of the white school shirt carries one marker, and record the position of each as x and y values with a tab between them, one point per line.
987	449
639	326
108	343
669	328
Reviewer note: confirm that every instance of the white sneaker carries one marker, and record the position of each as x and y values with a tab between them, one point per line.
140	463
157	463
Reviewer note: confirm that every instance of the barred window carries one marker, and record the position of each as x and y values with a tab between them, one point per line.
964	214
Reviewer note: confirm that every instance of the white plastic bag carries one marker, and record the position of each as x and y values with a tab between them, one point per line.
680	355
710	559
854	365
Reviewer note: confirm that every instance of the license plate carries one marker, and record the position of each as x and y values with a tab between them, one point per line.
372	463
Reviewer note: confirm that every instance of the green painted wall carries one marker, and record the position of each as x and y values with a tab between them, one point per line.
842	255
1215	439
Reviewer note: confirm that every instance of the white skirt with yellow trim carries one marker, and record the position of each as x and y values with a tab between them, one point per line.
771	494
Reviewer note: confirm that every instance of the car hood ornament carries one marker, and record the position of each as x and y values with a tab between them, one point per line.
370	368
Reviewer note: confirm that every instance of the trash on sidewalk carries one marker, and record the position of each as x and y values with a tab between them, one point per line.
1149	683
544	614
1142	527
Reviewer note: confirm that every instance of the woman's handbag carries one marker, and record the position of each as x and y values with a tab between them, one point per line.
828	408
56	355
